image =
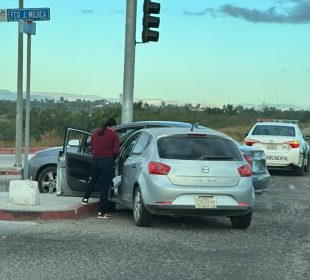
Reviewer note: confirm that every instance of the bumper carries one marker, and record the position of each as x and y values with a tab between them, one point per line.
192	211
261	182
293	158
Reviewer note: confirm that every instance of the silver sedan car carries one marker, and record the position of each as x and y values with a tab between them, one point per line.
171	171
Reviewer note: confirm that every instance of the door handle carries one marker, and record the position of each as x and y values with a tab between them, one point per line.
133	165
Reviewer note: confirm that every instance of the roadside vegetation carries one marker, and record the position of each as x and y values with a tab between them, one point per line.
49	118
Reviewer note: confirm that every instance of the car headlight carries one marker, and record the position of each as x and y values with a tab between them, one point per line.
31	156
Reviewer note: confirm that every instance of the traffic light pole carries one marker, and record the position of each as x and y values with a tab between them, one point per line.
129	61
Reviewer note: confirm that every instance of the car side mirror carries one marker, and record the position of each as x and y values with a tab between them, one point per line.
245	135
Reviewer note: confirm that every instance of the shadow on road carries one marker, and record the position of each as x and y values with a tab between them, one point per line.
281	172
180	222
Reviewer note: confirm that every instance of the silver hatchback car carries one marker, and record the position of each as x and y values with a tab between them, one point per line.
42	165
171	171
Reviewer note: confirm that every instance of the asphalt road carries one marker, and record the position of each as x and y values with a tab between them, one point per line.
276	246
8	160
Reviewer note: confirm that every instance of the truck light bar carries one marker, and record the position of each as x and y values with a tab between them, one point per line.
278	120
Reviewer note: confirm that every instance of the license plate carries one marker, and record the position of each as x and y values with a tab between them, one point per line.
272	146
205	202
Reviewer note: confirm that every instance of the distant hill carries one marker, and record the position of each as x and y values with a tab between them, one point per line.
278	106
9	95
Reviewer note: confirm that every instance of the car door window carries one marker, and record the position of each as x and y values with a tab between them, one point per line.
87	145
74	136
125	132
127	150
141	144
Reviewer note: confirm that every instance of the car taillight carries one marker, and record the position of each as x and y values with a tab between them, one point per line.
249	159
250	142
245	170
158	168
293	144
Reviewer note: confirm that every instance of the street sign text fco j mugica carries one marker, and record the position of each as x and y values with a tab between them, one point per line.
36	14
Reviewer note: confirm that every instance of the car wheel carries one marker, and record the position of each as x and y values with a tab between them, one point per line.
243	221
47	180
307	167
299	171
141	216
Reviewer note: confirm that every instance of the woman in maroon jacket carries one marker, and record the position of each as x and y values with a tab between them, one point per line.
105	148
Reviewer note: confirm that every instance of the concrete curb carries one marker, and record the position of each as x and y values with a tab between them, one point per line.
9	171
73	212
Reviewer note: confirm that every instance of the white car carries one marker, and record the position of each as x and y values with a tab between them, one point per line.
283	143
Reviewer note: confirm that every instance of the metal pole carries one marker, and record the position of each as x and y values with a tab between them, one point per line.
27	120
19	99
129	61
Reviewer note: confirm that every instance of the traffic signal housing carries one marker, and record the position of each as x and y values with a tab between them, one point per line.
150	21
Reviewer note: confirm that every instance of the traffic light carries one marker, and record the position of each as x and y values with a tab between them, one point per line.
150	21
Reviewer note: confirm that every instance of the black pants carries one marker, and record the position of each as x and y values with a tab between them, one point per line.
102	175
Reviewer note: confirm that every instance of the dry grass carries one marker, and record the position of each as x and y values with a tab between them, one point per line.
236	132
48	139
51	139
5	144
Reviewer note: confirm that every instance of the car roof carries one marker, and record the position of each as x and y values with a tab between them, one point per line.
159	131
277	124
162	123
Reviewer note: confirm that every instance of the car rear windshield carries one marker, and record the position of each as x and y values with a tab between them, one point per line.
274	130
198	147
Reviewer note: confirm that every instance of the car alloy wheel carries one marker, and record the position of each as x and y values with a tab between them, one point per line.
47	180
140	215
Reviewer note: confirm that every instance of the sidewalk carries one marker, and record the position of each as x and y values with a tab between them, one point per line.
51	207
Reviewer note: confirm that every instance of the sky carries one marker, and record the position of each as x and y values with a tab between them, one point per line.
209	51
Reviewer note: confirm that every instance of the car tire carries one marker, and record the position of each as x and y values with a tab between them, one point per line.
141	216
299	171
307	167
47	179
241	222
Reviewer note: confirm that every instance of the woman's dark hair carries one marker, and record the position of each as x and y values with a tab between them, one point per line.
110	122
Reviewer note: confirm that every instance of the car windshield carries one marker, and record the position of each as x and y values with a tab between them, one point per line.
274	130
197	147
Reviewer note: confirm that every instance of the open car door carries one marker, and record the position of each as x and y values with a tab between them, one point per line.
74	165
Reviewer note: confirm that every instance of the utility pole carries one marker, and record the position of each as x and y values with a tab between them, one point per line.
129	61
19	99
28	27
